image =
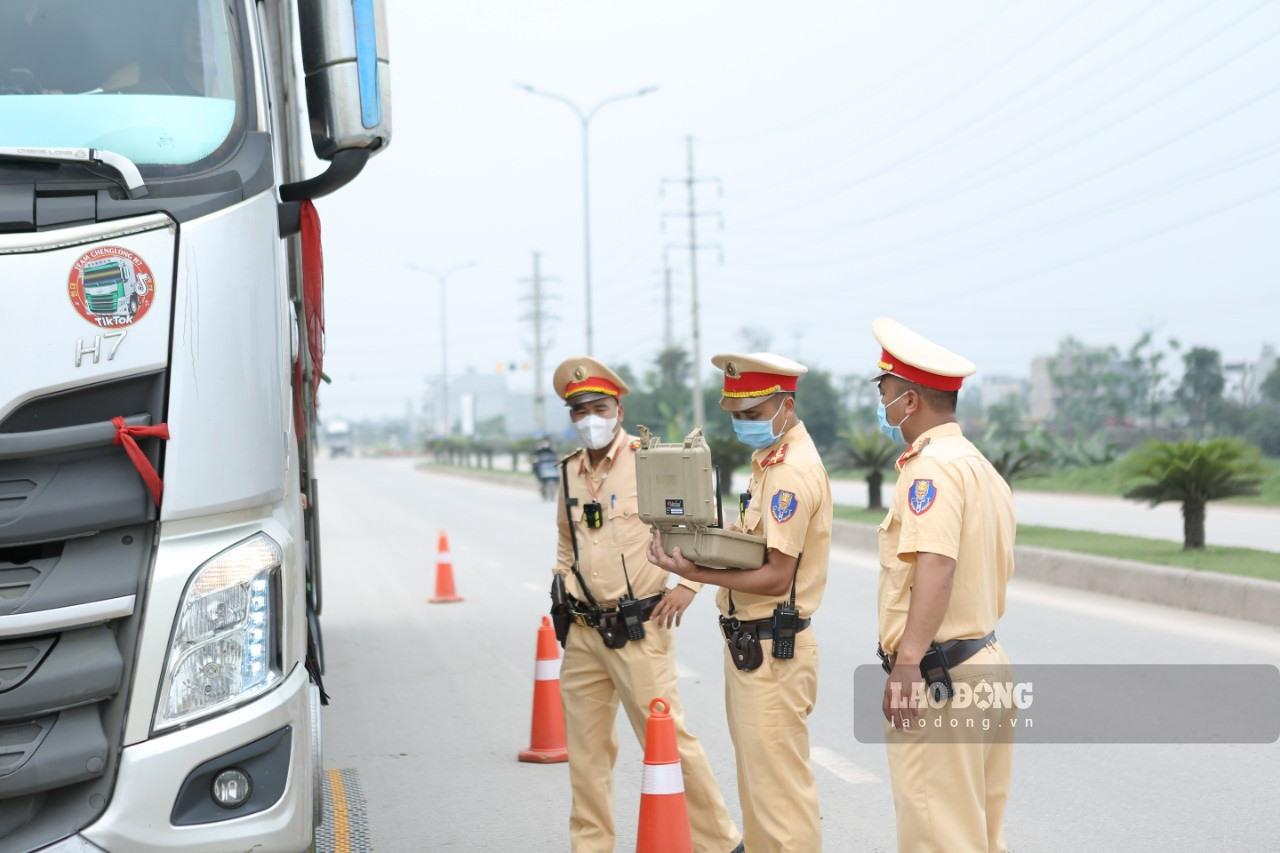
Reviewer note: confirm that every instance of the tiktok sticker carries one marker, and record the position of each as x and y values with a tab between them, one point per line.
111	287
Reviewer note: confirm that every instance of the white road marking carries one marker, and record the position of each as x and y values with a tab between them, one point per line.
1188	623
683	671
532	587
1159	617
841	767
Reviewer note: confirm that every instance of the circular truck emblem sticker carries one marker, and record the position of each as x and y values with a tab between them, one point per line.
111	287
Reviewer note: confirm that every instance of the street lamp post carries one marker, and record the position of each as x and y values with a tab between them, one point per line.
584	119
442	278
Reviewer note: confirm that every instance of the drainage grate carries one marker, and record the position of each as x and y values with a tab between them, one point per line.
346	820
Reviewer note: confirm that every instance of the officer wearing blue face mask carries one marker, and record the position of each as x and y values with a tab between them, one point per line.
771	656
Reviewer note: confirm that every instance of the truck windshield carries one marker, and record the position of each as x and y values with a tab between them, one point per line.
158	81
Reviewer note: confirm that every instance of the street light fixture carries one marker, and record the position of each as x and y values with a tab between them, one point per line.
584	119
441	279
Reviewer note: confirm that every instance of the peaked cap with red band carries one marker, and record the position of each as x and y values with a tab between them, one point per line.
753	378
582	379
917	359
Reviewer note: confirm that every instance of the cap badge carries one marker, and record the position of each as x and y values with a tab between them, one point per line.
731	370
579	373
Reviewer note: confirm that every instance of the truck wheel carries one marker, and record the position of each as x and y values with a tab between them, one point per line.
133	305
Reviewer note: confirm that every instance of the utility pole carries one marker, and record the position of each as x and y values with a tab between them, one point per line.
691	181
538	315
668	336
442	278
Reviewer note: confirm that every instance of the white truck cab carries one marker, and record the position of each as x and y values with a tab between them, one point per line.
161	282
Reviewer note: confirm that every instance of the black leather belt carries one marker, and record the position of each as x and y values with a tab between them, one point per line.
592	618
762	628
956	651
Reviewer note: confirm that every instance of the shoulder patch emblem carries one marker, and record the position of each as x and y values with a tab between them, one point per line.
783	505
921	496
635	445
775	457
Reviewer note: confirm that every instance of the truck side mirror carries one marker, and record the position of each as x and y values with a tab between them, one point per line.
346	64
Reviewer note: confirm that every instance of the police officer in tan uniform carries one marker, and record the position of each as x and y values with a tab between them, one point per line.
771	684
598	519
946	555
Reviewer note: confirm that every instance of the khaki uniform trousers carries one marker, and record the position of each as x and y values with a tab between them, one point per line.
592	681
950	796
768	710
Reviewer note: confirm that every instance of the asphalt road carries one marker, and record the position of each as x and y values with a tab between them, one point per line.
431	702
1241	525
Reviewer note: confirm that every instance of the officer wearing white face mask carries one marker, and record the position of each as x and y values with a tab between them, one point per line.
602	567
771	659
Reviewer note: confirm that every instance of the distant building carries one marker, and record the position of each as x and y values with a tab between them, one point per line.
1040	407
476	399
1043	392
999	389
1245	377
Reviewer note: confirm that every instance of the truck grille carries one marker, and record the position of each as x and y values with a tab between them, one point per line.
102	304
76	535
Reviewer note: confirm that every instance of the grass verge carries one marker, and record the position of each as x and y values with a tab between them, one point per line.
1103	480
1246	562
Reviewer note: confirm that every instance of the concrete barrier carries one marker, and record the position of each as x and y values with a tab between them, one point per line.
1232	596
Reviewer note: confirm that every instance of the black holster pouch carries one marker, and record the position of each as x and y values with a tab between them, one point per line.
612	630
744	646
560	617
937	674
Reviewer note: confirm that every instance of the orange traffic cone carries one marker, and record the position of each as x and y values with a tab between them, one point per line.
546	735
445	592
664	820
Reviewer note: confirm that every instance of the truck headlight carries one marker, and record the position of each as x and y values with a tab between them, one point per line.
225	646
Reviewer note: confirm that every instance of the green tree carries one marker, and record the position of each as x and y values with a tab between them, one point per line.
727	455
1193	473
872	453
1021	456
1270	386
1007	418
1200	392
1146	376
1090	387
818	404
1263	428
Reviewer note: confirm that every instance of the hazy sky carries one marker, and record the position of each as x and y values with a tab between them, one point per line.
995	174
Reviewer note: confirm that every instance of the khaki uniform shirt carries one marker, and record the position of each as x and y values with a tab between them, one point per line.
600	552
950	501
791	507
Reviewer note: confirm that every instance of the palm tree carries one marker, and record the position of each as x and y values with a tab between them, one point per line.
870	452
1017	457
1194	473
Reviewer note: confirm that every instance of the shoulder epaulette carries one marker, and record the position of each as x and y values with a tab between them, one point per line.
572	454
912	453
775	457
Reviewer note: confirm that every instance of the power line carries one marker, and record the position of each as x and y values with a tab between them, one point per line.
1152	191
693	214
1040	197
931	109
1119	245
992	168
886	82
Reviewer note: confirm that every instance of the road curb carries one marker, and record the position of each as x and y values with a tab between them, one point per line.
1232	596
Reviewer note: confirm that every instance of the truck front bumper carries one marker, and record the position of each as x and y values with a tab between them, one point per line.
138	818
